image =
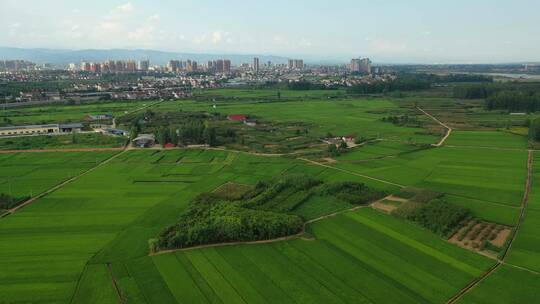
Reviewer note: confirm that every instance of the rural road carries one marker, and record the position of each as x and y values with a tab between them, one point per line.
448	129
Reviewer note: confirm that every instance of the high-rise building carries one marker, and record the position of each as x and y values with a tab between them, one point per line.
255	65
219	66
360	65
226	66
131	66
143	65
296	64
174	66
85	66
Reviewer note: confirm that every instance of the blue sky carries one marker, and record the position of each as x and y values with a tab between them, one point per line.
386	30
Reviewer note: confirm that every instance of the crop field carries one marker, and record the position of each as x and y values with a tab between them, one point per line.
72	141
88	241
377	150
357	116
526	249
28	174
107	216
497	139
489	177
68	113
506	285
360	257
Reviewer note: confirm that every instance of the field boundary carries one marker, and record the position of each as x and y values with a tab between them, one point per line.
353	173
115	284
61	185
500	262
448	129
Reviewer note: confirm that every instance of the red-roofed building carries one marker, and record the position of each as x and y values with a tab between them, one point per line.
237	117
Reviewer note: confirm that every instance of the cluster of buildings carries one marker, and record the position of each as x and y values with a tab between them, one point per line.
360	65
296	64
17	65
112	66
101	123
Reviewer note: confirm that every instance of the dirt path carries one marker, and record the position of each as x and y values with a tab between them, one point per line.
501	261
351	172
62	184
115	285
448	129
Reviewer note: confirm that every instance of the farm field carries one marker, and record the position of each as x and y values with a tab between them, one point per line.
27	174
497	139
109	215
357	116
492	176
88	242
68	113
376	150
72	141
506	285
526	249
359	257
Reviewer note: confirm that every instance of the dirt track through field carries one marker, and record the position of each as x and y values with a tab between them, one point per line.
351	172
501	261
448	129
62	184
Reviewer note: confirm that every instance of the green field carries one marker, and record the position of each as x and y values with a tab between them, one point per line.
341	117
353	259
69	113
72	141
498	139
91	236
28	174
492	178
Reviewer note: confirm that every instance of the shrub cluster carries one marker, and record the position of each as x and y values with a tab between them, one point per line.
263	212
439	216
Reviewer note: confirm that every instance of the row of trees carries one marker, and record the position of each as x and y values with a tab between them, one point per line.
413	82
511	96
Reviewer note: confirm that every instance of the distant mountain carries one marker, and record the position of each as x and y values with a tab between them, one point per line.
64	57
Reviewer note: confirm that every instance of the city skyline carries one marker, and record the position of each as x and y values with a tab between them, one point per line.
390	31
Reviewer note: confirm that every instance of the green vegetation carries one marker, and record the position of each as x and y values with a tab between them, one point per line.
72	141
439	216
262	213
70	245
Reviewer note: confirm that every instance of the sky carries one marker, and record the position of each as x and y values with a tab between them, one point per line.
392	31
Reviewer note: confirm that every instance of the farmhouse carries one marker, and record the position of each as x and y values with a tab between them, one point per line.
99	117
29	130
116	132
71	128
237	117
144	140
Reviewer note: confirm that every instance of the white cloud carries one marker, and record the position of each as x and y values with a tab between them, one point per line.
387	46
125	8
218	36
153	18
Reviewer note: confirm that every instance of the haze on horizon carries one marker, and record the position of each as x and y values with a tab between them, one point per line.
419	31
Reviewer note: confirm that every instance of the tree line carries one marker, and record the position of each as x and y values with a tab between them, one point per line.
513	96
